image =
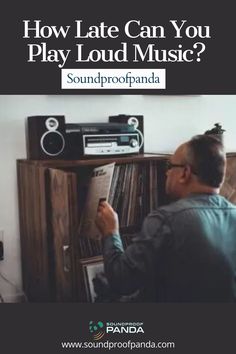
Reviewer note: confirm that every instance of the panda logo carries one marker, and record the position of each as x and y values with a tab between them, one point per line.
96	329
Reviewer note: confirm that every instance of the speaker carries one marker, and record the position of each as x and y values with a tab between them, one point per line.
45	137
136	120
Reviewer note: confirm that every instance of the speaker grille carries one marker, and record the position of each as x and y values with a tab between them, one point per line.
52	143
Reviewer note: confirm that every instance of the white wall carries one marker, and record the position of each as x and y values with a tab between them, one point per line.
169	120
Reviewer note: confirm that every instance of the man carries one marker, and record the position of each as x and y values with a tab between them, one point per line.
186	251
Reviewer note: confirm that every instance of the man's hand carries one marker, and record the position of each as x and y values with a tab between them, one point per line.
107	220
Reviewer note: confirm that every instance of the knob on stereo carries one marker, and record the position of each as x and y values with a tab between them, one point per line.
134	120
133	143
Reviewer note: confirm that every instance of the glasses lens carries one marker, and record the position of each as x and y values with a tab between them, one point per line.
170	165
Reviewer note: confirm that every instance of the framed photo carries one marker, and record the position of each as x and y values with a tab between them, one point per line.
91	268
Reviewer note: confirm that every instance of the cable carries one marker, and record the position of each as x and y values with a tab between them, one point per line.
141	136
14	286
8	281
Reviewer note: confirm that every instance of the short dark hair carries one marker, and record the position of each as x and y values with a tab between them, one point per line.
206	156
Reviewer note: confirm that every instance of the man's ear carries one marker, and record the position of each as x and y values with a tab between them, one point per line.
186	175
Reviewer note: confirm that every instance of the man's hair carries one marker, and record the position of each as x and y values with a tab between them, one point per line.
206	156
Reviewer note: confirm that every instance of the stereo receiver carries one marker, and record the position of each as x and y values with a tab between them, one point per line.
89	139
50	137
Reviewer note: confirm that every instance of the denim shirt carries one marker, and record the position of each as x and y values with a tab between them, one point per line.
185	252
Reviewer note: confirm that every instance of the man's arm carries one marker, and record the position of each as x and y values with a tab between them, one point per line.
133	268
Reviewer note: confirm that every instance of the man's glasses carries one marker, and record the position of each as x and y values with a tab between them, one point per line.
170	165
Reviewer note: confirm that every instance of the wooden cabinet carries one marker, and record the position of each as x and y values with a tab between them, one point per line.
51	199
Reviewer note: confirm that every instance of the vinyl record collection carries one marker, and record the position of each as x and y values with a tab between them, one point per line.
133	195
